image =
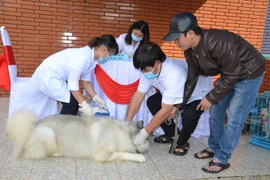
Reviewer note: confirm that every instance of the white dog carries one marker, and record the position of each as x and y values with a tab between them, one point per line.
99	138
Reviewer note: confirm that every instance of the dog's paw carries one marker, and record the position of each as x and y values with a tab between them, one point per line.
139	158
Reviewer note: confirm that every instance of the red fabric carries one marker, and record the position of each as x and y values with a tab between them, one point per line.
118	93
4	75
9	55
5	60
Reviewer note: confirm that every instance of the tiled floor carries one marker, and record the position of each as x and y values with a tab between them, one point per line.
248	162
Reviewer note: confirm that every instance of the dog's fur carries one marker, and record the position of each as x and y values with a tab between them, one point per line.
98	138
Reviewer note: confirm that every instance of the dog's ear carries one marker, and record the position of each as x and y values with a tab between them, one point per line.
140	124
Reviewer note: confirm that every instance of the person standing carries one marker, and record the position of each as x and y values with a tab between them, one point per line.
241	68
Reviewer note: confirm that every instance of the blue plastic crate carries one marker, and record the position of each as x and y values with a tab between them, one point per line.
259	132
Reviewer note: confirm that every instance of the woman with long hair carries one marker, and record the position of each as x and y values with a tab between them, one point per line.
138	33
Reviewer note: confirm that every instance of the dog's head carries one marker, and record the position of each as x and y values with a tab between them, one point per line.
134	129
264	114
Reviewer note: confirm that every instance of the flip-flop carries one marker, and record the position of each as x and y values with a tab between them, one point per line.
211	163
205	151
184	147
163	139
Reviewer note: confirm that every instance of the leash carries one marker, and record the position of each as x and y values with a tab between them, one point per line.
174	144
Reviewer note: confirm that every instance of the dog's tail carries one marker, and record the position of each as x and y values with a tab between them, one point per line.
19	127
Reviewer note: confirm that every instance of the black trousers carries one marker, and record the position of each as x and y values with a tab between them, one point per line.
71	107
190	118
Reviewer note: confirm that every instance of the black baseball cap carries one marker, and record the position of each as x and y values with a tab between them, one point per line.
180	23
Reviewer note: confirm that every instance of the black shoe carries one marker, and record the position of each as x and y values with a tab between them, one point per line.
163	139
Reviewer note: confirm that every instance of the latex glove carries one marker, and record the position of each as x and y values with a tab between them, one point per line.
130	55
141	137
99	101
86	108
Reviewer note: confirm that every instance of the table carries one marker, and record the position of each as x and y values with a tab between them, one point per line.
124	73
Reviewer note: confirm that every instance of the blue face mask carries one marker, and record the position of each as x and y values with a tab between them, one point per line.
151	75
134	38
103	60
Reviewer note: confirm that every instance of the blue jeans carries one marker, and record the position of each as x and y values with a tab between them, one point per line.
239	100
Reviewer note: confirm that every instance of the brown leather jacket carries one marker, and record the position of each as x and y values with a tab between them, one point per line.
225	53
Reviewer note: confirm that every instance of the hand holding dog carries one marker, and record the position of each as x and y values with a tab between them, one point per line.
100	102
141	137
86	108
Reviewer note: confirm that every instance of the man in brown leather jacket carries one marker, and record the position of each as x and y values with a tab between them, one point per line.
241	68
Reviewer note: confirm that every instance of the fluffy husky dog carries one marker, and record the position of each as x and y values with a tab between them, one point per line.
96	137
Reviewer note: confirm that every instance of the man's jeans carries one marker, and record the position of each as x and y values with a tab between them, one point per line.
224	138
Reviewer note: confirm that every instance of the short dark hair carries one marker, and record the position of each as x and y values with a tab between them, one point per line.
142	26
106	40
147	54
197	31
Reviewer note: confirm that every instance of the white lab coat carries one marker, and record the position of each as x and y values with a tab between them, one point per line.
124	47
69	65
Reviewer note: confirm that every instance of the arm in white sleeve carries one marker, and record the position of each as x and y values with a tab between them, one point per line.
89	88
73	85
87	76
120	41
173	89
73	80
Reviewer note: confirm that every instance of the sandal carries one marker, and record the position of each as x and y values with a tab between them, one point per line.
211	163
205	151
163	139
184	147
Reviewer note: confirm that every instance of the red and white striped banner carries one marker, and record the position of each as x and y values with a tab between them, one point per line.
7	62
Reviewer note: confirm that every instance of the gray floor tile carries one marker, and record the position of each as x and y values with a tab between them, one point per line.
250	160
7	161
134	171
87	169
3	120
203	140
54	168
2	139
19	173
171	166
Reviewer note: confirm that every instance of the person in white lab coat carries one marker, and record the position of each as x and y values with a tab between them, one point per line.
138	33
169	77
58	75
